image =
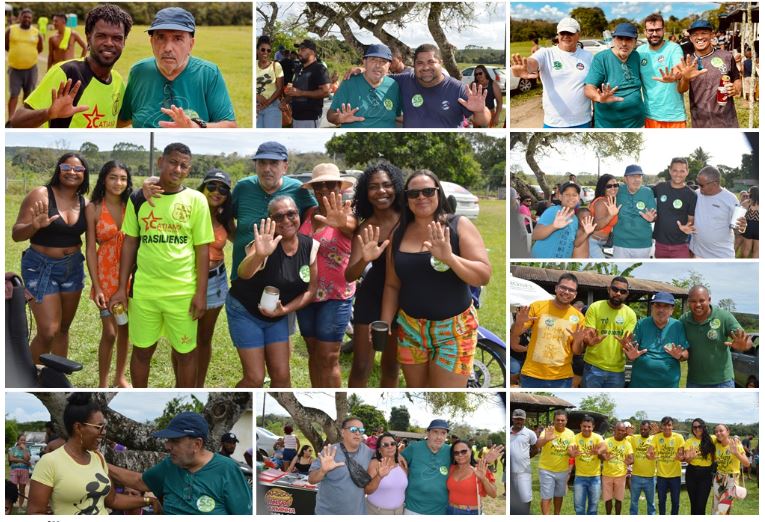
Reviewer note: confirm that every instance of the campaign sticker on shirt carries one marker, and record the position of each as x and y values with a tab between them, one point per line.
714	323
580	66
717	62
644	62
574	319
438	266
661	58
388	103
557	65
443	470
677	203
549	322
305	273
619	320
663	198
712	335
417	100
205	504
640	205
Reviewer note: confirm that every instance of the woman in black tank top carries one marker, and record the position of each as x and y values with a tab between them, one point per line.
432	262
302	461
52	218
377	205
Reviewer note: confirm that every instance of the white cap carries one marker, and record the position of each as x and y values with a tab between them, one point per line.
568	25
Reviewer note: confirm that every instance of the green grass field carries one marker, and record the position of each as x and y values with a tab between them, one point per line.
225	367
230	47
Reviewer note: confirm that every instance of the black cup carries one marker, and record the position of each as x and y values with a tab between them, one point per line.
379	335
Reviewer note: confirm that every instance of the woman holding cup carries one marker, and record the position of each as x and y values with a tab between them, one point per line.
281	258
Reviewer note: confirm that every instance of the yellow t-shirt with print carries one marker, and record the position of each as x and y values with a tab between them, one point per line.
619	450
549	356
587	465
694	443
554	455
665	449
643	466
727	463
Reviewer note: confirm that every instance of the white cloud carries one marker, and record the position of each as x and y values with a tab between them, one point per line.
547	12
666	9
627	10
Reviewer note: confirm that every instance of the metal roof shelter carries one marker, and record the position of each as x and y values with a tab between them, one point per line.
538	406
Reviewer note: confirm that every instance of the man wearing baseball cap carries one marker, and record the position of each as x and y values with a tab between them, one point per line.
174	89
309	88
522	448
370	99
192	480
633	235
702	73
555	235
563	69
657	346
614	84
228	444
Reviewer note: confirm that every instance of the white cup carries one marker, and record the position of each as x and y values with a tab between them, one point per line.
269	298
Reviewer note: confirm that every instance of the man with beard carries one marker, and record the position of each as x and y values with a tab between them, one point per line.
643	479
192	480
707	328
228	444
522	448
553	462
87	93
617	456
667	449
174	89
664	107
23	43
606	322
557	330
675	212
612	70
309	88
61	43
586	450
702	74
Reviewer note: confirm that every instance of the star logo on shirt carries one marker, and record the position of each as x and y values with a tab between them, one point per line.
92	117
185	339
150	221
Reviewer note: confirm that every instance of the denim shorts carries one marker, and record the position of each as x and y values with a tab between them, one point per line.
248	331
45	275
217	287
326	320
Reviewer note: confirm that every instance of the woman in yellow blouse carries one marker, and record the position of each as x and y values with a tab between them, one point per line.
729	454
699	454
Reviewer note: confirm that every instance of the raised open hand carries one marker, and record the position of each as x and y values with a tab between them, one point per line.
611	207
40	217
522	315
481	468
337	211
649	215
740	341
263	240
674	350
369	240
588	224
439	244
62	100
667	76
592	338
606	94
563	218
495	452
386	466
347	114
476	99
327	459
690	67
520	68
579	333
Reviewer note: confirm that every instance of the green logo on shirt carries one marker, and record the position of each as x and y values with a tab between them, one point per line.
438	266
640	205
644	62
549	322
304	273
715	323
388	104
712	335
443	470
417	100
205	504
717	62
677	203
557	65
663	198
181	212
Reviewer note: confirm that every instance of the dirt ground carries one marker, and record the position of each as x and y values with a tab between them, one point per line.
528	114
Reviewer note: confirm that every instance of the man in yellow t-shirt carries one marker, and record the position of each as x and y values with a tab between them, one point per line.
587	451
553	462
556	335
617	456
667	450
23	43
643	479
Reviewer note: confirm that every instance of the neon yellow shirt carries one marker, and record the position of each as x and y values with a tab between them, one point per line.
643	466
665	449
727	463
694	443
619	450
587	465
554	455
607	354
549	356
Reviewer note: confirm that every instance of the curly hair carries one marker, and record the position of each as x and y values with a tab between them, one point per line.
55	180
362	208
109	13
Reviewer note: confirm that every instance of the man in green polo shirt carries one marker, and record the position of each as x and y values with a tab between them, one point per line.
633	235
712	332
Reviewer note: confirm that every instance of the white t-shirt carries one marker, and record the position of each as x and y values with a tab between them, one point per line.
563	75
714	237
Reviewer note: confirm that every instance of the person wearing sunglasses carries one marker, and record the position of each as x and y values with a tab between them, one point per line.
387	489
469	480
52	218
323	322
278	257
606	213
270	84
493	93
699	453
301	463
607	321
633	233
341	471
714	235
74	479
432	262
675	213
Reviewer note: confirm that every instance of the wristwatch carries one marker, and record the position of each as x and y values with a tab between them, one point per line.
202	123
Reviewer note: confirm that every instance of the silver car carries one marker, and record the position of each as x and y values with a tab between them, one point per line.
465	202
497	74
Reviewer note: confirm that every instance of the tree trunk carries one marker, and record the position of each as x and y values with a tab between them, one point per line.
437	32
269	20
306	417
537	140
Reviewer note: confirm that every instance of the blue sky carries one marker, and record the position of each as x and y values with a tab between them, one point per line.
554	11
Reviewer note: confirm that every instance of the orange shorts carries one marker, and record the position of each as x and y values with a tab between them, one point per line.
656	124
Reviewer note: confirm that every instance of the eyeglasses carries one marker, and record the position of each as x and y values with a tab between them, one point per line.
99	427
622	291
265	49
355	430
567	289
169	95
461	452
612	185
220	188
661	30
478	74
281	216
388	445
427	192
65	167
325	185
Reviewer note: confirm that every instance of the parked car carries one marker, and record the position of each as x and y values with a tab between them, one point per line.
497	74
538	191
521	84
35	452
594	46
466	202
265	440
588	194
746	365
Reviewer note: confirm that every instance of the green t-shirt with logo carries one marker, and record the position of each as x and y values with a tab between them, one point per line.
607	354
426	492
709	360
379	105
167	234
632	230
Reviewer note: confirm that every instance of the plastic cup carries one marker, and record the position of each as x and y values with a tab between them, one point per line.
379	335
269	298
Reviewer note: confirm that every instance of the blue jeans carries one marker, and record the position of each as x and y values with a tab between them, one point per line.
645	485
596	247
456	511
586	495
515	366
44	275
594	377
533	382
325	320
726	384
673	486
270	117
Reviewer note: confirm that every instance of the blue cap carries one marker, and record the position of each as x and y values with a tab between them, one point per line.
633	170
438	424
217	175
173	19
700	24
626	30
663	297
271	150
186	424
378	51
